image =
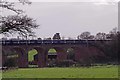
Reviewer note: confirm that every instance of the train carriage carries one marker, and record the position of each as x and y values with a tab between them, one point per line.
70	41
47	41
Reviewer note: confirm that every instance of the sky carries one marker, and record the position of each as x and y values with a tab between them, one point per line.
72	17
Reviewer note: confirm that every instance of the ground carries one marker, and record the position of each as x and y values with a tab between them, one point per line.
81	72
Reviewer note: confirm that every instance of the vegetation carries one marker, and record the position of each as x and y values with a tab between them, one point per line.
31	54
17	23
11	62
57	36
34	52
22	25
52	51
82	72
85	35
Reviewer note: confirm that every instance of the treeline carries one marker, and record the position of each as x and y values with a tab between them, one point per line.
88	35
111	49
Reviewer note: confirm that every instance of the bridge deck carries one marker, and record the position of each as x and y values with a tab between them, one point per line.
38	42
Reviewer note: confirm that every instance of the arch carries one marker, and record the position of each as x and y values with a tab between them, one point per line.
52	50
52	54
31	58
51	57
32	53
70	54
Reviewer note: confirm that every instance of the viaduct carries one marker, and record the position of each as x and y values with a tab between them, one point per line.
83	49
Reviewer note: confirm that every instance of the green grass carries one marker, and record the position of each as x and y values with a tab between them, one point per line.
92	72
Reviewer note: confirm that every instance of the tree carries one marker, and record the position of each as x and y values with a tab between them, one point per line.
11	5
57	36
114	51
113	33
111	48
21	24
85	35
101	36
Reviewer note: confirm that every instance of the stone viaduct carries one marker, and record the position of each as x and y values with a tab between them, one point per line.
83	49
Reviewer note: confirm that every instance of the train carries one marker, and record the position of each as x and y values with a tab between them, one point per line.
19	42
15	41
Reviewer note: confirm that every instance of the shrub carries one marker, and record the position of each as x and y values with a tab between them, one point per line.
10	62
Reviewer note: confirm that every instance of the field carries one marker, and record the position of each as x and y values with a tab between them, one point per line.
92	72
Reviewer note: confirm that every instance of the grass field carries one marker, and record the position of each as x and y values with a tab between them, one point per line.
92	72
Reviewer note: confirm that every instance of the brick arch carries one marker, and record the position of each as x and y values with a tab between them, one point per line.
34	56
54	53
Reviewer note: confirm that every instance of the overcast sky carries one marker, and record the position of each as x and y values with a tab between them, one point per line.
72	18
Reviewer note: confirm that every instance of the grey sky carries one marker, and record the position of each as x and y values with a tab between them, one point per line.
72	18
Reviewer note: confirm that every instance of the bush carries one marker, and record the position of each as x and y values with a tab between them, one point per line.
10	62
65	63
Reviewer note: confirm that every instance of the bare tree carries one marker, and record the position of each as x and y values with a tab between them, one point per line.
21	24
11	5
114	31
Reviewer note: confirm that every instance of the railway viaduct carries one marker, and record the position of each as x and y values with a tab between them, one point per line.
83	49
